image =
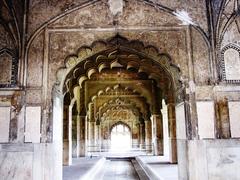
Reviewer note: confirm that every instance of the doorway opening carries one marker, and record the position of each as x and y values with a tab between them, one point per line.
120	138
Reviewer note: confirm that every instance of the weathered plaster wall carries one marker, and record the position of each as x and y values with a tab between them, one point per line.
5	40
201	59
196	10
46	10
232	34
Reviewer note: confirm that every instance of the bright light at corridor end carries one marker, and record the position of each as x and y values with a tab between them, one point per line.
120	138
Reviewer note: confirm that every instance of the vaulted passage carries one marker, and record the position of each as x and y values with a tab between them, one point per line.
115	101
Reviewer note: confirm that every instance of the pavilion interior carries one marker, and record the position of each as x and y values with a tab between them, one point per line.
156	80
119	88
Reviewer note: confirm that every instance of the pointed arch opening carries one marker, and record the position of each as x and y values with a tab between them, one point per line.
120	137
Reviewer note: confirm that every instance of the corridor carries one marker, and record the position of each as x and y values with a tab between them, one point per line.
120	168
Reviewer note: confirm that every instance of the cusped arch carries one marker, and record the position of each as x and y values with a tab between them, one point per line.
118	90
119	123
124	104
119	109
151	62
139	101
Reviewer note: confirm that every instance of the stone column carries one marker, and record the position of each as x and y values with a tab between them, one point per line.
91	135
100	137
78	135
97	136
86	138
75	138
148	134
141	134
157	133
172	133
224	119
81	135
67	144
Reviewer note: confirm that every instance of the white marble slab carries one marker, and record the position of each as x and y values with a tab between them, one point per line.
234	115
206	118
33	122
4	124
181	121
223	163
57	137
16	165
232	64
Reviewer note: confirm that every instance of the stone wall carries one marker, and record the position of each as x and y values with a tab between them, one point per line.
208	159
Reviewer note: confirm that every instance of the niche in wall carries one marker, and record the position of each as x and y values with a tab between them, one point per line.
8	68
231	63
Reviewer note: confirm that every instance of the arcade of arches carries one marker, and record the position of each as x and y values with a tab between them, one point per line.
80	78
118	85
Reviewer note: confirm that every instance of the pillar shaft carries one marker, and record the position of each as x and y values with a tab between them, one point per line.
148	134
97	137
224	119
75	138
82	141
141	135
86	134
157	128
172	133
67	143
91	135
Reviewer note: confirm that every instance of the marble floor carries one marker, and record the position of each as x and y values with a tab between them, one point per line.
118	166
119	170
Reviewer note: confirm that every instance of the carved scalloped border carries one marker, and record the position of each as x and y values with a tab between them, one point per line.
86	52
120	123
112	102
125	101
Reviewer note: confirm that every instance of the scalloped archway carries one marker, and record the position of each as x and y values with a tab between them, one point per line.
119	75
118	52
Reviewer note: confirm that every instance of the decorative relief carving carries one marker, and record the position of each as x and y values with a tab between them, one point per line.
5	68
112	52
230	63
8	69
